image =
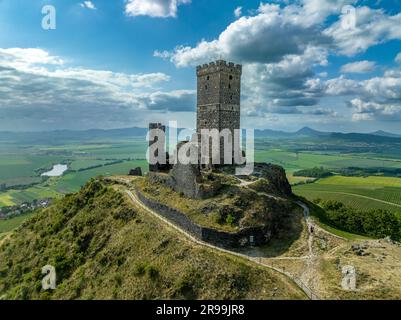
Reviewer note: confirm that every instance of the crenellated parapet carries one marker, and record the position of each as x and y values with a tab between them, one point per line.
219	66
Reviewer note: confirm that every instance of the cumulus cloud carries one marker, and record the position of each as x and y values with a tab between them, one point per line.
375	111
88	5
175	101
283	87
378	98
281	46
238	12
154	8
40	89
317	11
265	38
359	67
340	86
373	26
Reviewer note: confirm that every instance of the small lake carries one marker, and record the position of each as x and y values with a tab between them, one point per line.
57	171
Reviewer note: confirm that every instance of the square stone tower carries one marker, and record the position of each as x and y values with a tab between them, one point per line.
219	96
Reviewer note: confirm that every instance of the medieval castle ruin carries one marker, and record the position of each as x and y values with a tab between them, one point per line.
218	108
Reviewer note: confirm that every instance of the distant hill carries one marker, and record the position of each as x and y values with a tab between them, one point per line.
386	134
63	136
306	131
362	137
105	248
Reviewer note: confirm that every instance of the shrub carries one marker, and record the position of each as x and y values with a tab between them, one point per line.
230	219
140	269
375	223
152	272
314	173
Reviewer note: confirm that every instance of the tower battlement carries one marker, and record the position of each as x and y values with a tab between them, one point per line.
219	66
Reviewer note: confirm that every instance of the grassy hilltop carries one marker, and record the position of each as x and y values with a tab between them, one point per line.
105	248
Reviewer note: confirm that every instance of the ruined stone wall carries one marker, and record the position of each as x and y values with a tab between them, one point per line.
221	239
185	178
172	215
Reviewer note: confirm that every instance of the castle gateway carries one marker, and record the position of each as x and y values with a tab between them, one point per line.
219	99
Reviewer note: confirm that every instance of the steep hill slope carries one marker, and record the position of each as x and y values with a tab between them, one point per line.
105	248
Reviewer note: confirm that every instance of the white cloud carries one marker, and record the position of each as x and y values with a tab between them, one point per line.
372	27
38	87
38	62
280	46
278	50
340	86
238	12
88	4
154	8
178	101
23	58
359	67
378	98
317	11
265	38
363	111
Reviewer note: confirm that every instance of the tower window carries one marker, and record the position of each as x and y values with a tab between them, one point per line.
208	78
231	97
231	77
229	86
206	87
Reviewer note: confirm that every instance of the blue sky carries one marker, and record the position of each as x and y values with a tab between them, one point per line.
123	63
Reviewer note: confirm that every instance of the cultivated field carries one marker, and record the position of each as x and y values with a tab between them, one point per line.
22	162
21	166
358	192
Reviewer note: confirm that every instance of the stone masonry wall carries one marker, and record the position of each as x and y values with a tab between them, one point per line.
221	239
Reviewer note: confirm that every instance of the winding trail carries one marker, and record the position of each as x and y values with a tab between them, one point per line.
309	293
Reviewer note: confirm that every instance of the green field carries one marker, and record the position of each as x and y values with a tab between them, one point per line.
22	164
73	181
357	192
10	224
6	200
293	161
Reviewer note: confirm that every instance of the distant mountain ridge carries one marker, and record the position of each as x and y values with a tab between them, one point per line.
382	133
54	136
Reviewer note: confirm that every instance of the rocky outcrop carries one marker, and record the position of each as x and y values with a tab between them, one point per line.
276	176
137	172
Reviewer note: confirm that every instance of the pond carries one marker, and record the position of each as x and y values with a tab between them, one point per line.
57	171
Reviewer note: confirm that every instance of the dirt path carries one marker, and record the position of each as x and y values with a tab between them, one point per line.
310	274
